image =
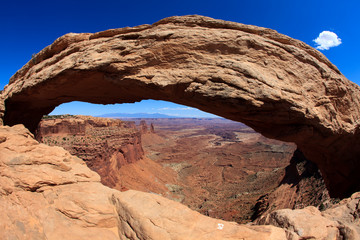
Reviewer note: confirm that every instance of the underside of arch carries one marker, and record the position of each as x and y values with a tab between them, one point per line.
277	85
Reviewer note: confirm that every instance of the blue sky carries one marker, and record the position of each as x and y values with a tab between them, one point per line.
29	26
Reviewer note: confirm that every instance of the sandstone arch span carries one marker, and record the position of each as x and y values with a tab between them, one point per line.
279	86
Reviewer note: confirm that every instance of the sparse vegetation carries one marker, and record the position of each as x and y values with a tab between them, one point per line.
33	58
58	116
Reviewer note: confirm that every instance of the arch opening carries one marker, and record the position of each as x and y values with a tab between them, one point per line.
181	157
143	109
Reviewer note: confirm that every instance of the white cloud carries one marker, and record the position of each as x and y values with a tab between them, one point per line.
326	40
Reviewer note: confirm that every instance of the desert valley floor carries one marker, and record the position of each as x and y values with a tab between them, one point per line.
220	168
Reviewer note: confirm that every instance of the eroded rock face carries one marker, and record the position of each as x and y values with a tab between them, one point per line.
279	86
104	144
46	193
110	147
301	186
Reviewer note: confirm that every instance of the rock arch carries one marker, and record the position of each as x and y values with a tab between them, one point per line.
279	86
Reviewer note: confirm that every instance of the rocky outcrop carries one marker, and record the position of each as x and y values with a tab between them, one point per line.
152	128
342	221
110	147
144	127
301	186
46	193
279	86
104	144
78	125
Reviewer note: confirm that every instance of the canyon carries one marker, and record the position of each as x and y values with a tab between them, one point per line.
220	168
224	167
110	147
278	86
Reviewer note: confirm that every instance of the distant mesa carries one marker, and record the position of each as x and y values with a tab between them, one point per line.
145	115
136	115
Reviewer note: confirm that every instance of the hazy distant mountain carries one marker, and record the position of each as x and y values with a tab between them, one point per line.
136	115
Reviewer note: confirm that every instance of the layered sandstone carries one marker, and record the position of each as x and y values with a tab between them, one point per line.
279	86
144	127
110	147
104	144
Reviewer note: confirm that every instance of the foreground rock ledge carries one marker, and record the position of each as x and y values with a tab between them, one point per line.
279	86
46	193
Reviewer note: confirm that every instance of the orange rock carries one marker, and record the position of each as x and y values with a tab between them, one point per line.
105	144
342	221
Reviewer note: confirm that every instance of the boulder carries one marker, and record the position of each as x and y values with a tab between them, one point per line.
341	221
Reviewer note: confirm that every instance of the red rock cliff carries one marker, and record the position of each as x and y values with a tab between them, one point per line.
105	144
